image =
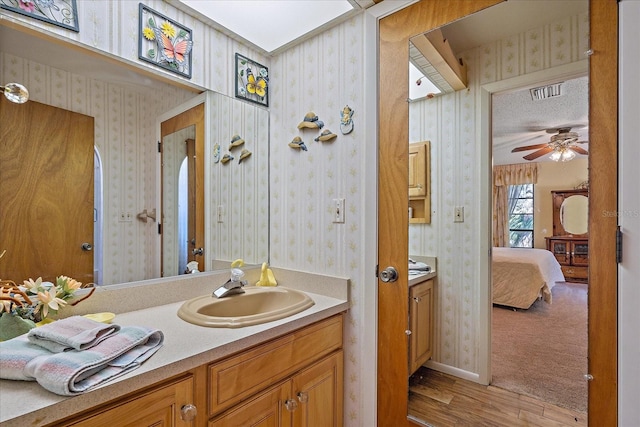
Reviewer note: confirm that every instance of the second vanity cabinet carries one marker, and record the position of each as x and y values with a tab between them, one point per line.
420	324
295	380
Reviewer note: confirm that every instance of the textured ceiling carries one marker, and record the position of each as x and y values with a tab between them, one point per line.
518	120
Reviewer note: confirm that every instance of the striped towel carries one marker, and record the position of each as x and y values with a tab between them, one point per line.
72	333
73	372
14	356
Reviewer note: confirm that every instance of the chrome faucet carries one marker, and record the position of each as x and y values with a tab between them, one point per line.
232	286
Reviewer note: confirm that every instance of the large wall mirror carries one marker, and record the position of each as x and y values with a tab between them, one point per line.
499	43
128	107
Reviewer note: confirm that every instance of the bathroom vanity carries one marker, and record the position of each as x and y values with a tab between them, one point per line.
288	371
421	307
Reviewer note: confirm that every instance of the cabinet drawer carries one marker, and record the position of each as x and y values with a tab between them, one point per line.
238	377
573	272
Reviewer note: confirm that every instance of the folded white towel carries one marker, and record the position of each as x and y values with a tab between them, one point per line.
72	333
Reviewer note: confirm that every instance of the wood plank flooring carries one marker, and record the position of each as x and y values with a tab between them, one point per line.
441	400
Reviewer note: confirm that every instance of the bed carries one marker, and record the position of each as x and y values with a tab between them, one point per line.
520	276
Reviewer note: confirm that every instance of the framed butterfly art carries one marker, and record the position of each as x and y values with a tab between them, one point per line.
252	81
164	42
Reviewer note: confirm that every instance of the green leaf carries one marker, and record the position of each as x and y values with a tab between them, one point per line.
182	33
151	23
151	53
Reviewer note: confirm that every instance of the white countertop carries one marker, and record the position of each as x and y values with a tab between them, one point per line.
414	279
185	347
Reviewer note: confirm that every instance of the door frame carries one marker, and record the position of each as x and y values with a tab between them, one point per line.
178	118
392	369
484	107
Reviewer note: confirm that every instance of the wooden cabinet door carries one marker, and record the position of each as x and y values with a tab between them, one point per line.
157	408
580	253
421	324
417	169
265	410
319	391
561	250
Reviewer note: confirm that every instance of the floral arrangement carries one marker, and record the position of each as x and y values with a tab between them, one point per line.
47	297
35	299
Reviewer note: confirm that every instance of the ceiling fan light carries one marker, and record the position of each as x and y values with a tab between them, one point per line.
555	156
567	155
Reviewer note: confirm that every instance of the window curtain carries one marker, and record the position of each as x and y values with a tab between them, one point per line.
503	177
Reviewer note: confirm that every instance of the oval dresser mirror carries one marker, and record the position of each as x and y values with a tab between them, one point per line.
574	214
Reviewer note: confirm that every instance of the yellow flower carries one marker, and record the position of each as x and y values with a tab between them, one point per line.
48	300
148	33
168	29
68	284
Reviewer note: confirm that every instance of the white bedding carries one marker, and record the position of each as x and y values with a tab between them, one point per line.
521	275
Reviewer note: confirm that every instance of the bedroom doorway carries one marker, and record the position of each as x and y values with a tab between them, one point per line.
540	345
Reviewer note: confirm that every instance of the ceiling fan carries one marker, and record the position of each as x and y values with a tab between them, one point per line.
562	146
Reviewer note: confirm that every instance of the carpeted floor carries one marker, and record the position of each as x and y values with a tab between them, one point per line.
542	351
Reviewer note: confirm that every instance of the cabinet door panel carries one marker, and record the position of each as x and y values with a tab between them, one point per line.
417	170
421	317
158	408
265	410
319	393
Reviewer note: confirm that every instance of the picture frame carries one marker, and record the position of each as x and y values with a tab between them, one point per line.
63	13
164	42
252	80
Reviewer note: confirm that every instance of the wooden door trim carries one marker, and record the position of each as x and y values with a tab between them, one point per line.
603	197
394	32
393	221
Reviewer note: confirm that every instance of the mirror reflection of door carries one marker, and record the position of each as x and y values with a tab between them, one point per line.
183	192
46	192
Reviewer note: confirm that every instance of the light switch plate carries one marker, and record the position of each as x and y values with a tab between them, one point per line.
458	214
338	210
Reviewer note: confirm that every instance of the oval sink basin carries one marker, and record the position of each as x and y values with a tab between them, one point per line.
256	305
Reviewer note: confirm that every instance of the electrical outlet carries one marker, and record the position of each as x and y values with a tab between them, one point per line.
126	217
338	210
458	214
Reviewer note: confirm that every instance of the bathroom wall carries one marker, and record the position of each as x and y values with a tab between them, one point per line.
112	27
322	75
450	123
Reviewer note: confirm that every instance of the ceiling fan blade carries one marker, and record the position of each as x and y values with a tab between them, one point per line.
579	150
529	147
538	153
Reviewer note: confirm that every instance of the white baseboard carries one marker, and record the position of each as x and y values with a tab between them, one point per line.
456	372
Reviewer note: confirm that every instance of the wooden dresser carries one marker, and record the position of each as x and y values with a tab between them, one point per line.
571	250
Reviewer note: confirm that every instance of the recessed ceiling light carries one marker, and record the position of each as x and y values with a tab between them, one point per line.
270	24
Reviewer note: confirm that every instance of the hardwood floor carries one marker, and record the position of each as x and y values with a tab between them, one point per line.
441	400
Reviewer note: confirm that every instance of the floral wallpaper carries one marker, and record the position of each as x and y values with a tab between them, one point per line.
321	75
449	122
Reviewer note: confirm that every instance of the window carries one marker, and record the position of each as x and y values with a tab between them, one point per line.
521	216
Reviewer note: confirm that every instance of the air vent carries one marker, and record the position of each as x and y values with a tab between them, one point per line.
544	92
